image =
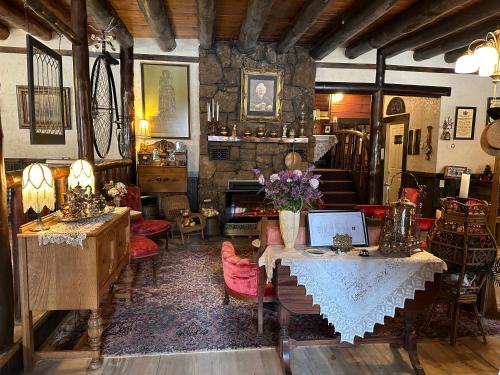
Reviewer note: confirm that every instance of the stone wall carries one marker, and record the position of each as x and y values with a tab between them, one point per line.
220	79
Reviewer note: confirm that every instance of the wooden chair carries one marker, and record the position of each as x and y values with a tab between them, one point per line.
173	206
241	279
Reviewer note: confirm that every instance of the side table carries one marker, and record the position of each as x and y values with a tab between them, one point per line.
212	227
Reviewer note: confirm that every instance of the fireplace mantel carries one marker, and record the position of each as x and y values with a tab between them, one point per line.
220	138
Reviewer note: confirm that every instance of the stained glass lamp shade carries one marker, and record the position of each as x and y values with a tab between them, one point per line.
38	191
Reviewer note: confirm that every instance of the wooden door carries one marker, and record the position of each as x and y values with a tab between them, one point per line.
394	152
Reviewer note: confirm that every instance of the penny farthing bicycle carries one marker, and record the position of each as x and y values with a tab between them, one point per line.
104	106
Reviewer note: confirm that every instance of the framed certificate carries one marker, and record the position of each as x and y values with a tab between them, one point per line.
465	121
324	225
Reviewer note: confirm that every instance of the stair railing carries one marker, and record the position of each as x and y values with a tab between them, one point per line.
351	153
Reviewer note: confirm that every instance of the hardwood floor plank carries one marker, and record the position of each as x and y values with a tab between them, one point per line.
147	365
178	364
490	352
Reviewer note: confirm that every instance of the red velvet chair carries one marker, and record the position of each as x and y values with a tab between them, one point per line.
142	249
152	229
241	280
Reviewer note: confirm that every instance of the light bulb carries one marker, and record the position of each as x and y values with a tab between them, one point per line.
466	63
486	70
486	55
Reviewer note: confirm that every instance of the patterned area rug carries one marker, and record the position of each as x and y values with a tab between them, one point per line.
185	312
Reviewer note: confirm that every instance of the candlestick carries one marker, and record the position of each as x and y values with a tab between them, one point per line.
209	118
464	186
217	119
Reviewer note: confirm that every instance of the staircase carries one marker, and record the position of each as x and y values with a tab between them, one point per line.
338	188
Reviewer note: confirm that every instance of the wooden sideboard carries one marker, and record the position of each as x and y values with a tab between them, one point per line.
162	179
66	277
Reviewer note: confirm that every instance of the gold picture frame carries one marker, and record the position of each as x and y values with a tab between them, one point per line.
261	94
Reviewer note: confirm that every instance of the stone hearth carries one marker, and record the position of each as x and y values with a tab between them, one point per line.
220	79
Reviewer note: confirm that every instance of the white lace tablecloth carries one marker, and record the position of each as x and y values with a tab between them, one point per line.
355	292
323	144
74	233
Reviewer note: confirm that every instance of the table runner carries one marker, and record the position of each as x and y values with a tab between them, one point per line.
355	292
74	233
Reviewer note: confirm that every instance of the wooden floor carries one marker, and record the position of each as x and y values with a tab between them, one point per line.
470	356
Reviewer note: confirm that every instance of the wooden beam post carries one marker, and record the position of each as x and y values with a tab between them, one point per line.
18	18
466	18
375	178
456	40
81	78
257	12
308	14
156	16
421	13
127	94
105	16
6	281
451	57
206	18
4	32
352	25
55	22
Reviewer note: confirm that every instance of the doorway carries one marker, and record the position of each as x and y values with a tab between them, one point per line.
394	153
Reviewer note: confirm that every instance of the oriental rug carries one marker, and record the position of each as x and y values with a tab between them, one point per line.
184	312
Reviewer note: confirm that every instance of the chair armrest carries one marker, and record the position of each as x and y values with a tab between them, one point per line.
200	217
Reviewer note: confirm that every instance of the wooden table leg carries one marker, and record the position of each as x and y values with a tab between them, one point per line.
95	328
284	339
410	345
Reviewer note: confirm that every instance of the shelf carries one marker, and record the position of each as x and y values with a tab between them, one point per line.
220	138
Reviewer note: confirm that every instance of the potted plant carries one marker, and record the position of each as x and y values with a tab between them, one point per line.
290	192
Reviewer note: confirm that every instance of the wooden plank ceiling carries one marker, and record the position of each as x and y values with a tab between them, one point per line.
394	26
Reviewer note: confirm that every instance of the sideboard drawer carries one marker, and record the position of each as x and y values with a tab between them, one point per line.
154	179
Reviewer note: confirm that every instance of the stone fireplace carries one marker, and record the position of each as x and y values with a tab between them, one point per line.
220	79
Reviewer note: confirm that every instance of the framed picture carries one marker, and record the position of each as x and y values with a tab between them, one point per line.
327	129
45	94
324	225
261	92
465	121
492	103
165	99
22	106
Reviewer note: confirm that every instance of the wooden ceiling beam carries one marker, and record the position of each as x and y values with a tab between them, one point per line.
451	57
156	16
352	25
206	18
308	14
256	15
4	32
468	17
29	24
418	15
105	16
456	40
51	19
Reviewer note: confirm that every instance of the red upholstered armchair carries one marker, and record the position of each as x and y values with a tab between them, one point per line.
153	229
241	280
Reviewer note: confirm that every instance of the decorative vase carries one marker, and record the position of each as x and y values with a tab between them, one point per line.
289	228
117	200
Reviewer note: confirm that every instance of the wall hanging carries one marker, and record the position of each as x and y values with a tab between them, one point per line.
416	142
465	121
45	94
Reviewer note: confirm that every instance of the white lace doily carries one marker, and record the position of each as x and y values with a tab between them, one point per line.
74	233
354	292
323	144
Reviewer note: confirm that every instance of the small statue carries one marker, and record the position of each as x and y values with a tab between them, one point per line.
234	132
285	130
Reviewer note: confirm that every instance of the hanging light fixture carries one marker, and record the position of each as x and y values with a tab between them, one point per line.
484	58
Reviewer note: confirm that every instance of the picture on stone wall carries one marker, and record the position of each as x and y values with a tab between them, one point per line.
261	92
165	99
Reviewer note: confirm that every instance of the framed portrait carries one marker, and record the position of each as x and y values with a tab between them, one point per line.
492	103
327	129
261	92
45	94
23	111
323	225
465	121
165	99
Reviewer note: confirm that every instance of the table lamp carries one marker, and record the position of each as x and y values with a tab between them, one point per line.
38	191
143	133
81	174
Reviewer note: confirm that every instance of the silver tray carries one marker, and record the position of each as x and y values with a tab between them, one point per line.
107	210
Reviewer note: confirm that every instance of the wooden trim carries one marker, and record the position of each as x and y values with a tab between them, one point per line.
399	68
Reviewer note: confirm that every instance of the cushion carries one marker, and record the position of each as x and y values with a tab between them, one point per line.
141	247
132	199
149	227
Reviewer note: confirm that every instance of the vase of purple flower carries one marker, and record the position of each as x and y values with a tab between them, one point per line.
290	192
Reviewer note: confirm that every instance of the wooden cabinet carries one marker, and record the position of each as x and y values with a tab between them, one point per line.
162	179
65	277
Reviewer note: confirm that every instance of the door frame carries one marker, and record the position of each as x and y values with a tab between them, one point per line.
403	118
